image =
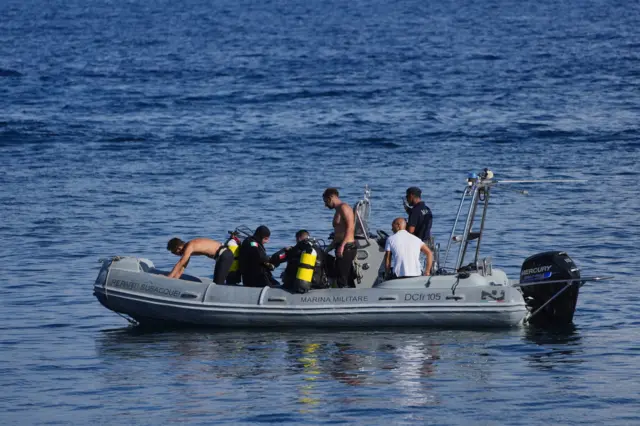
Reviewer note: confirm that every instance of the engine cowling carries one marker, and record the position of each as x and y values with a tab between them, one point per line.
550	266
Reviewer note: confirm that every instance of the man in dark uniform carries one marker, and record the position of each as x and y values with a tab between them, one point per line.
254	262
420	217
292	256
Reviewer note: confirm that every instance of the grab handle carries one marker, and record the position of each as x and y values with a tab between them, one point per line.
188	296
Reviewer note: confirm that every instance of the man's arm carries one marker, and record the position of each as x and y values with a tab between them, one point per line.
349	220
424	249
413	220
387	259
177	270
387	263
263	256
256	254
279	257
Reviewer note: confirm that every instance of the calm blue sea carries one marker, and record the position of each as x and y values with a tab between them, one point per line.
126	123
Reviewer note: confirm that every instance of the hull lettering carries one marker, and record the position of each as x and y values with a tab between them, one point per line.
333	299
146	288
422	297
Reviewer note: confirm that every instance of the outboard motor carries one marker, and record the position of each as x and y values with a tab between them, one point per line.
550	266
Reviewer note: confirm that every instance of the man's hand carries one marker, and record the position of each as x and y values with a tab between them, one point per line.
339	250
177	273
424	249
179	268
407	207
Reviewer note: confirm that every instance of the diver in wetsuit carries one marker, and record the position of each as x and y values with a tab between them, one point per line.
305	264
254	262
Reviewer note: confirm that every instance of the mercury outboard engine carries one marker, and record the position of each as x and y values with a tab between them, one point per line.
550	266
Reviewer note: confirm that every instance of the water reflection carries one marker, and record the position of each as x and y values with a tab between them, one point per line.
348	364
554	347
306	368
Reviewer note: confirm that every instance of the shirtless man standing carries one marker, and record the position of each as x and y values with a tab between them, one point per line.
343	240
201	247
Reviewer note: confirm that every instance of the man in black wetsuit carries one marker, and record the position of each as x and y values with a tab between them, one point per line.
292	256
420	217
254	262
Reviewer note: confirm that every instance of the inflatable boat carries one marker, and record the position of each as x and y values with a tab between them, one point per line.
470	293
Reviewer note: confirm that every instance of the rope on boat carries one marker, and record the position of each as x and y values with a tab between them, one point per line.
578	281
455	285
131	320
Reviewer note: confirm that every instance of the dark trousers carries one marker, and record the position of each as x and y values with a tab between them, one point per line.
344	266
262	278
223	265
263	281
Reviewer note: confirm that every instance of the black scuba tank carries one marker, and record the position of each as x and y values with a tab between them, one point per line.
319	279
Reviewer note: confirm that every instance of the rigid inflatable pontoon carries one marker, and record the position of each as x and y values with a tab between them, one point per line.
465	295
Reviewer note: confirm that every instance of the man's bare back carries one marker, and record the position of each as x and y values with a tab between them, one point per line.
196	247
204	247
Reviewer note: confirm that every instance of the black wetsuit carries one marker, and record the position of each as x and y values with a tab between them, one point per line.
292	256
253	264
224	260
288	255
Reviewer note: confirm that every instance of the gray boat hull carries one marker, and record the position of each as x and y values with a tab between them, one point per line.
135	288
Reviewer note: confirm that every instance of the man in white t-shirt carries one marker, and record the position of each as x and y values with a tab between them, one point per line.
403	249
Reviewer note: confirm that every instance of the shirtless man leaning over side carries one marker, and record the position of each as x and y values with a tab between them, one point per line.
201	247
343	240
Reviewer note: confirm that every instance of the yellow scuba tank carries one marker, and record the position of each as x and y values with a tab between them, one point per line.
306	266
233	246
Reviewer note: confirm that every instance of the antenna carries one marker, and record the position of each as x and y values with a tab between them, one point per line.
542	181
